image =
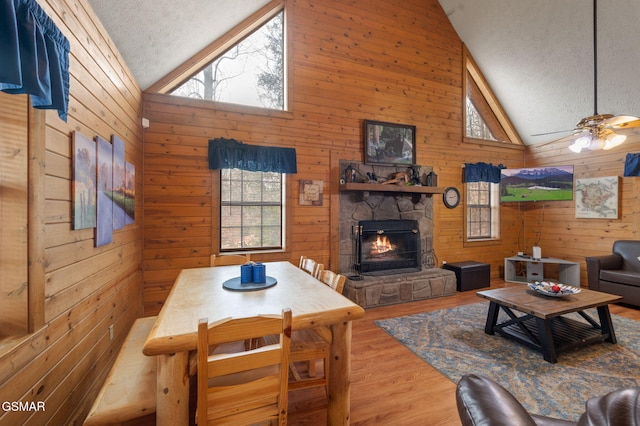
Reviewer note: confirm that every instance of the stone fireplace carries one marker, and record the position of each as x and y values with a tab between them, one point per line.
408	271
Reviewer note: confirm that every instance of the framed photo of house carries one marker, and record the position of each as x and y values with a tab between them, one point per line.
389	143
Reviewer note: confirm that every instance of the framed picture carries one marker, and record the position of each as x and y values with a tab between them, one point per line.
597	198
311	192
104	203
84	182
389	143
117	189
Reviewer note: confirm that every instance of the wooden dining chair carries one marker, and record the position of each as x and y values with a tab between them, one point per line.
310	266
229	259
244	387
312	344
333	280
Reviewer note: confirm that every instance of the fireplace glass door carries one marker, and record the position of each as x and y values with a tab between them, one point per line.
389	246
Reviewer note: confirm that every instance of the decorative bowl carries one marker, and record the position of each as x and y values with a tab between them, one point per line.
547	288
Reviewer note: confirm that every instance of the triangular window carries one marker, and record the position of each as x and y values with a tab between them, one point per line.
484	118
250	72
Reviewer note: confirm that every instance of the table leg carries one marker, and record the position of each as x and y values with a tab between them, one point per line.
339	397
606	324
492	318
546	340
172	404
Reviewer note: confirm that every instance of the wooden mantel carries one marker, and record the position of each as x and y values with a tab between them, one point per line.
415	189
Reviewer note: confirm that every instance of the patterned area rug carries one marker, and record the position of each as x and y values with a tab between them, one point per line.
453	341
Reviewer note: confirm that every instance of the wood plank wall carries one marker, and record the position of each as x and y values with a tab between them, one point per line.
78	290
395	61
560	234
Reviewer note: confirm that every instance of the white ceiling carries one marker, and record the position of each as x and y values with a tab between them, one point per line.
536	55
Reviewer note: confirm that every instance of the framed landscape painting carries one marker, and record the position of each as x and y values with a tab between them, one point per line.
389	143
104	223
84	182
117	193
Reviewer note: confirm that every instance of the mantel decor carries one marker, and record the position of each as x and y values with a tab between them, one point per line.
389	143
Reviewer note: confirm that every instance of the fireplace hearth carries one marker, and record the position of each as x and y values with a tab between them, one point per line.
388	247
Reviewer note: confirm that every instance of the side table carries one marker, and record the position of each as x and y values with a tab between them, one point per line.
568	272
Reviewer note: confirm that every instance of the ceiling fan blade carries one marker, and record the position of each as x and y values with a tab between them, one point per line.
622	122
570	137
553	133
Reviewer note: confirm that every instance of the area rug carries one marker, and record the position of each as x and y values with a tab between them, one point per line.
453	341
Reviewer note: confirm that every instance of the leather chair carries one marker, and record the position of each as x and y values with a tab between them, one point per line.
481	401
618	272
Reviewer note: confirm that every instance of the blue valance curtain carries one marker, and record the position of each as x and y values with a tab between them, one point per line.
233	154
482	172
632	164
34	56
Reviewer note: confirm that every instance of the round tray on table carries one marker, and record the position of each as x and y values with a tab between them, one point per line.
234	284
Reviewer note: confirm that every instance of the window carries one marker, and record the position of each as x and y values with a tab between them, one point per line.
251	210
483	211
484	118
251	72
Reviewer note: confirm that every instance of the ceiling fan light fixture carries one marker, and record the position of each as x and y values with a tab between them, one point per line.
583	142
613	140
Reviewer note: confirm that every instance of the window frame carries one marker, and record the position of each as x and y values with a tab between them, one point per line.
218	47
493	205
491	111
217	221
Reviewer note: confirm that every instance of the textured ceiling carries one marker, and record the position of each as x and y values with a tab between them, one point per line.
536	55
156	36
538	58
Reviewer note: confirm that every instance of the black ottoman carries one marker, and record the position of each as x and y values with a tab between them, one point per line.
470	274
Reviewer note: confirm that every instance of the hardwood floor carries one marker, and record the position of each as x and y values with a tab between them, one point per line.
390	385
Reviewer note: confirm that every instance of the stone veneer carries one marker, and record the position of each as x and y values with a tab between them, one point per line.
381	290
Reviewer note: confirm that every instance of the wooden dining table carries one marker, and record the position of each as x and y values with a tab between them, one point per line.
199	293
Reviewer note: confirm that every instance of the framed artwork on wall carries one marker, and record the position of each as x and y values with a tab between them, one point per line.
311	192
130	193
84	182
104	223
597	198
117	193
389	143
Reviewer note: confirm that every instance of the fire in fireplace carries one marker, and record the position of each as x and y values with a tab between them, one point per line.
388	247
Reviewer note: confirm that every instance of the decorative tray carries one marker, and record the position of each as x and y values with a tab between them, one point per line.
553	289
235	284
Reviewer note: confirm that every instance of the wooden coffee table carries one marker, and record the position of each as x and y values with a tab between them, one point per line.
540	323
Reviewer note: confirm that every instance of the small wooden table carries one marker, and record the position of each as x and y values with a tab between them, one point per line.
543	326
198	293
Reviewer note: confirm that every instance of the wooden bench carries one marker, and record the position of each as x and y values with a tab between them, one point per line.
129	392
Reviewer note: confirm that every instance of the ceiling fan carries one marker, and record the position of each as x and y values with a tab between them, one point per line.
598	130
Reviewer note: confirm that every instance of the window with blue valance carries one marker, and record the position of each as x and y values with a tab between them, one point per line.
34	56
233	154
482	172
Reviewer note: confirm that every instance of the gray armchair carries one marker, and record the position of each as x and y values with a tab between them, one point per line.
618	272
